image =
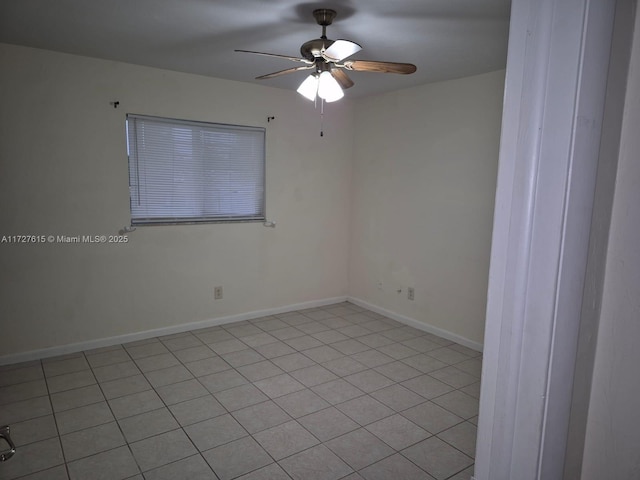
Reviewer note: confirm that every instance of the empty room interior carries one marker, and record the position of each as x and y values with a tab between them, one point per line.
331	326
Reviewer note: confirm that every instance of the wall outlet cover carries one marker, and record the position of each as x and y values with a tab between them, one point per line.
217	293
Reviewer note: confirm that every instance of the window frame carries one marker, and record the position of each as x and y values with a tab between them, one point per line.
260	217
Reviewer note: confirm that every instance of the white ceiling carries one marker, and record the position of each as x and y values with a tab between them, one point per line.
444	38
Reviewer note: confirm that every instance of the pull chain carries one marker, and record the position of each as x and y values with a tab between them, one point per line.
322	117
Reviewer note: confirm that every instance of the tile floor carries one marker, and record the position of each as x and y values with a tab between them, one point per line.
328	393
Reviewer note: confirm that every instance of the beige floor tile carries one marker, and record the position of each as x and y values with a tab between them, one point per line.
460	403
192	468
293	361
260	370
437	458
243	357
135	404
83	417
109	357
215	431
462	436
33	458
24	410
432	417
181	342
337	391
369	380
146	349
194	353
114	371
279	385
92	440
454	377
303	402
313	375
285	440
365	410
55	473
22	391
218	382
125	386
397	397
344	366
261	416
71	365
162	449
147	424
359	448
24	372
371	358
207	366
397	432
181	392
167	376
316	463
328	423
69	381
33	430
197	410
237	458
394	467
427	386
240	397
157	362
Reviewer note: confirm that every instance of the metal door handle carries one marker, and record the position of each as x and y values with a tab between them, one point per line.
7	454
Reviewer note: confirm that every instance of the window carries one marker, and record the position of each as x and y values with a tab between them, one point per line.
194	172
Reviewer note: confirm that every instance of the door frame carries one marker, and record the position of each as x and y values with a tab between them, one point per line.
555	87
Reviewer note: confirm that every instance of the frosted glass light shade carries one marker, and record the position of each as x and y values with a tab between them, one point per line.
309	87
328	88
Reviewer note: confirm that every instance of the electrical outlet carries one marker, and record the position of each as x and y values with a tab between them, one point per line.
217	293
410	293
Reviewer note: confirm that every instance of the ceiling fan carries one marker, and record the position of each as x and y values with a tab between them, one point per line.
328	61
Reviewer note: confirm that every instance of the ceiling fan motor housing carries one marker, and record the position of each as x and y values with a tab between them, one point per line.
313	48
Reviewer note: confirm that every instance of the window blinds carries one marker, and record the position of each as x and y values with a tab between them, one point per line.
188	172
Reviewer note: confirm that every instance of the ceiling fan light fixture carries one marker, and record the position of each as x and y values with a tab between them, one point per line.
309	88
328	88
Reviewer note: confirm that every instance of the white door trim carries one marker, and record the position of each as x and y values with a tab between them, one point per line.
554	96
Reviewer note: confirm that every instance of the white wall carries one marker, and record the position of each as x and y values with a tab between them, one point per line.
418	208
63	171
612	443
424	173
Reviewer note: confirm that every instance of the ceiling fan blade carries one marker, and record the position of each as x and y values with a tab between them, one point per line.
380	67
340	49
284	72
293	59
342	78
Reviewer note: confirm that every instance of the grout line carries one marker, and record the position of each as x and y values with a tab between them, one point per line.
55	420
115	419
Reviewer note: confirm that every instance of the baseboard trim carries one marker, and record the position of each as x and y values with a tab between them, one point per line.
425	327
158	332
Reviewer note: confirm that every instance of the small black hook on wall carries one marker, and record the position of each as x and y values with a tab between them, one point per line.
270	118
115	104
